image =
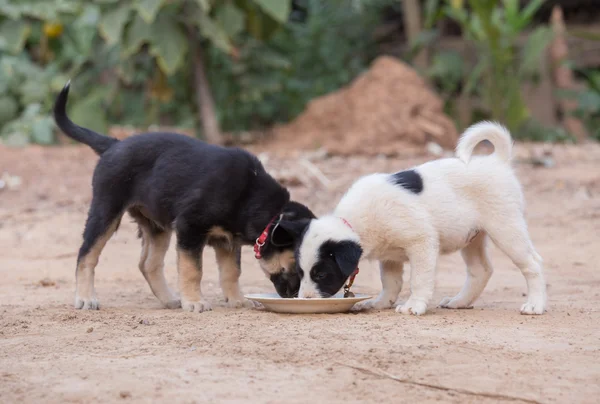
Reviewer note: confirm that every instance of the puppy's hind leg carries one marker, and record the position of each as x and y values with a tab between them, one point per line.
391	282
155	244
479	271
512	238
101	223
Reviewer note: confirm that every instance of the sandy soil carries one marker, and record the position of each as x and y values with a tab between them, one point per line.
133	350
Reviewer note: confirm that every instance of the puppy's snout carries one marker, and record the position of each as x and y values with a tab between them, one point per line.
286	285
305	294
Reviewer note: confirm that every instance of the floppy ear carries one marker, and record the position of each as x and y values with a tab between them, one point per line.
285	232
347	255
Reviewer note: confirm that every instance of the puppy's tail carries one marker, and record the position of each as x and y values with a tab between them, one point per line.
96	141
493	132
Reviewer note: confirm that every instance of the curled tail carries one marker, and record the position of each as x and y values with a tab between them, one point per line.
96	141
493	132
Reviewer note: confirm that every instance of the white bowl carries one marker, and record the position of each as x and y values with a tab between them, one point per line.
335	304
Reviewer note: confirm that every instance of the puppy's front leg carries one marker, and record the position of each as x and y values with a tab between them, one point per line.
229	261
423	261
189	267
391	282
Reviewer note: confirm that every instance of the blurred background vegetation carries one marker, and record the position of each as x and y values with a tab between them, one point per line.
235	66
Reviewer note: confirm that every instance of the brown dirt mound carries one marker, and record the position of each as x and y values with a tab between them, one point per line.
387	110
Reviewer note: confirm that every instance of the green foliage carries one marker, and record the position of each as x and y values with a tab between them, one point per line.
272	81
129	58
588	101
27	91
503	65
534	131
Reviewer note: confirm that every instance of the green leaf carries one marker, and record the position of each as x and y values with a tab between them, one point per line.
204	5
136	34
34	91
168	44
516	111
213	31
12	11
42	130
57	82
475	76
84	30
448	68
90	111
113	22
31	111
431	12
457	14
589	101
16	136
278	9
260	25
511	11
41	10
89	16
534	49
424	39
593	79
148	9
9	109
13	35
231	19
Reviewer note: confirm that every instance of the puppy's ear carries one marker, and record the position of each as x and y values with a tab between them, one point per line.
286	232
347	255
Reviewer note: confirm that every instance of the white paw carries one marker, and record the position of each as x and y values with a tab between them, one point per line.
533	307
416	307
173	304
86	304
454	303
373	304
197	306
240	302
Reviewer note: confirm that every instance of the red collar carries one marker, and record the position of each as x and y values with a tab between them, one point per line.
262	239
347	286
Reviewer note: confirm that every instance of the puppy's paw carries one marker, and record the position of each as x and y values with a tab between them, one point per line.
86	304
412	306
454	303
240	302
533	307
173	304
197	306
373	304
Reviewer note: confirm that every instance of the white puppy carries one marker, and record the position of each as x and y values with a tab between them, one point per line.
415	215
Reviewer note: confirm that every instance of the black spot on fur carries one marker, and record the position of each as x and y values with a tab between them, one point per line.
409	180
337	261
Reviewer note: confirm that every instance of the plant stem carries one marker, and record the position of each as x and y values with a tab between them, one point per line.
412	22
204	98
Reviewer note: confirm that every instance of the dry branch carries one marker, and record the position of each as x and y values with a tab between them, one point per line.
386	375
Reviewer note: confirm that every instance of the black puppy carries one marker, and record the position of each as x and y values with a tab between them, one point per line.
208	194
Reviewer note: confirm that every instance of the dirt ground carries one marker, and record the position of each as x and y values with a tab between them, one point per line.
133	350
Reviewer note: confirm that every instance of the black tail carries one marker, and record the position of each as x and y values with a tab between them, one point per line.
96	141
